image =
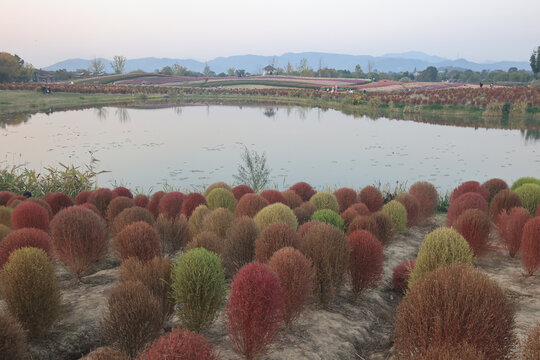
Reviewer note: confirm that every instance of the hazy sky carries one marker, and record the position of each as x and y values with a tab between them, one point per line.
47	31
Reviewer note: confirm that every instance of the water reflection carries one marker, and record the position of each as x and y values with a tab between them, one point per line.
122	114
269	112
101	113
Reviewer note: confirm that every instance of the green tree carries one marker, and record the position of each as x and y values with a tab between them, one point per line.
231	72
535	62
118	64
430	74
97	66
253	171
179	70
207	70
9	67
167	70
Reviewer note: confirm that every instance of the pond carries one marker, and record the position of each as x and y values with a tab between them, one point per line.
191	146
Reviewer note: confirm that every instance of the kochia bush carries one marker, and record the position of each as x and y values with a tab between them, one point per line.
469	186
207	240
82	197
218	221
273	238
221	198
401	273
217	185
530	348
363	223
30	215
141	200
530	246
324	200
100	198
122	191
503	201
470	200
345	197
443	351
239	244
171	204
525	180
427	197
5	216
241	190
398	214
174	233
366	260
510	228
153	204
412	206
190	203
116	206
274	196
329	217
292	198
304	190
180	344
474	225
250	205
58	201
494	186
196	219
275	213
530	197
5	196
138	239
372	197
129	216
12	338
4	230
385	227
26	237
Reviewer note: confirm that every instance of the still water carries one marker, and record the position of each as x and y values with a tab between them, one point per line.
192	146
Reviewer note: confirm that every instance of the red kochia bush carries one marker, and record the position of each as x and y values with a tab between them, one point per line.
360	208
191	201
27	237
5	196
348	216
141	200
15	200
138	239
363	223
293	198
469	186
58	201
345	197
296	277
254	310
510	225
91	207
400	274
250	205
385	227
180	344
79	237
273	196
117	205
427	197
304	190
30	215
154	203
503	201
474	224
101	198
303	230
366	260
466	201
82	197
494	186
43	204
170	204
412	206
273	238
372	197
241	190
131	215
122	191
530	246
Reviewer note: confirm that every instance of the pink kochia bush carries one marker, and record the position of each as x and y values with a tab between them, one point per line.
366	260
79	237
180	344
27	237
510	225
400	274
254	310
30	215
530	246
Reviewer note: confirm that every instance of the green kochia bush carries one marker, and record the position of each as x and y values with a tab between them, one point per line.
525	180
530	196
223	198
324	200
441	247
329	217
397	213
275	213
198	288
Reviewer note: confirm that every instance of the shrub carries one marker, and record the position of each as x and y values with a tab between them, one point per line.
301	215
216	185
525	180
30	290
221	198
92	208
455	305
4	231
293	199
296	277
138	239
218	221
141	200
473	225
303	230
328	249
503	201
401	273
353	211
101	198
324	200
116	206
174	233
241	190
106	353
129	216
180	344
530	246
12	338
79	237
15	200
412	206
397	213
122	191
274	196
190	203
275	213
345	198
385	227
198	288
441	247
329	217
530	348
443	351
58	201
427	197
5	216
26	237
304	190
530	197
131	320
466	201
372	198
363	223
494	186
5	196
170	204
309	207
155	275
239	244
196	219
273	238
82	197
361	209
154	203
254	310
469	186
43	204
366	260
250	205
510	228
207	240
30	215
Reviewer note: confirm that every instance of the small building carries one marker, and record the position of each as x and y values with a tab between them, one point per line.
43	76
269	70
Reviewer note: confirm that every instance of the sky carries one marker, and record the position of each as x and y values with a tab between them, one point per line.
45	32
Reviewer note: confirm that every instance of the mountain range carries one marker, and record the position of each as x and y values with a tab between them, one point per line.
395	62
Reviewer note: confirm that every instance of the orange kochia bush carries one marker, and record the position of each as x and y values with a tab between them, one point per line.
366	260
510	225
474	225
412	206
180	344
530	245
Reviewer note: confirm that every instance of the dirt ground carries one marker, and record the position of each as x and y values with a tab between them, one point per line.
349	329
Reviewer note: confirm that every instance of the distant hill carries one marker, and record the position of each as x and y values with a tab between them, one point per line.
396	62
